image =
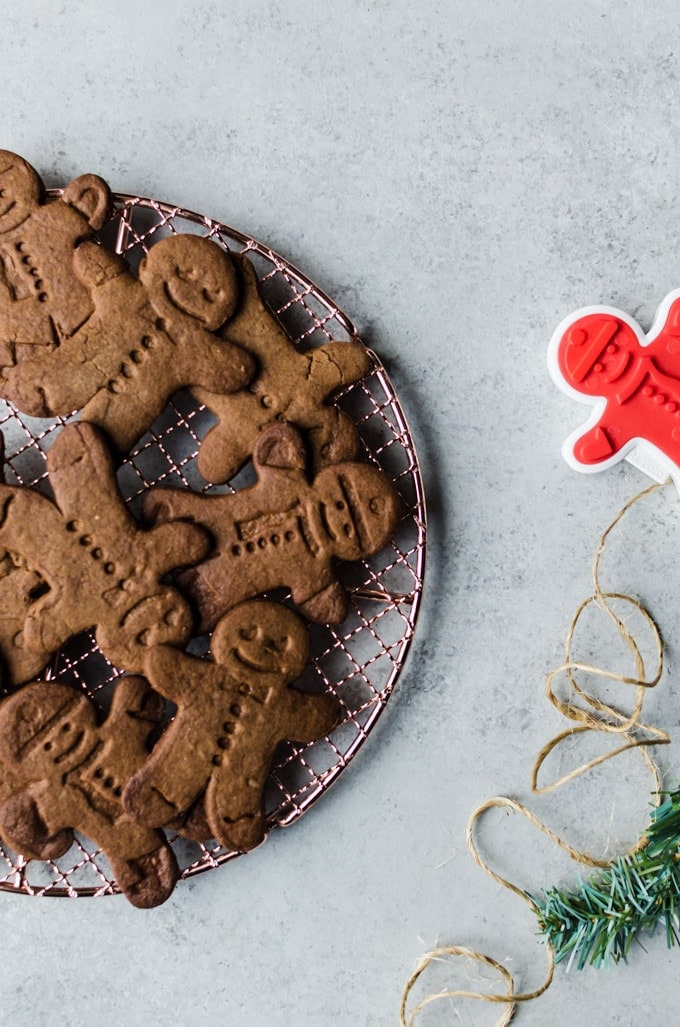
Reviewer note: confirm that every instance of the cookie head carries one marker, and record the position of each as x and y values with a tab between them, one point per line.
359	508
20	191
596	352
193	275
261	637
46	727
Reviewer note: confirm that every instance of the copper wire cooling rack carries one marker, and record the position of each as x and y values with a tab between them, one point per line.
359	661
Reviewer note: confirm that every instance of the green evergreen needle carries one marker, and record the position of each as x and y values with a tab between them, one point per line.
598	922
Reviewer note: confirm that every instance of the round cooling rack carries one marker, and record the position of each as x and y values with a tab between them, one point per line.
359	661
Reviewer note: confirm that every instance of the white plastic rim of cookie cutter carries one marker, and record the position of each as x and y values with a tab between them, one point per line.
367	643
639	452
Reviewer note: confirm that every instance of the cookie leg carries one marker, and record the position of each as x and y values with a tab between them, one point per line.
194	824
242	833
229	444
224	452
23	828
333	438
148	880
143	801
237	818
156	795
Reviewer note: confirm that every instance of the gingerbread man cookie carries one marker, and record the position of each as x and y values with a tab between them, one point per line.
231	715
146	339
601	356
20	586
67	774
284	530
102	569
289	386
42	300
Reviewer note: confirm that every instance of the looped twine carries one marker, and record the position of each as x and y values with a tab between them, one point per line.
586	713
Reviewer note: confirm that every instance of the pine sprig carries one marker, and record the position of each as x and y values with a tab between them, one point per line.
598	922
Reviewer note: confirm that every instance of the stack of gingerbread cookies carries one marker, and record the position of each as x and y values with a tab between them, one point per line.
79	331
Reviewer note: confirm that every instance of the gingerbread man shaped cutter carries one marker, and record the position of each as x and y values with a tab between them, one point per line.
600	356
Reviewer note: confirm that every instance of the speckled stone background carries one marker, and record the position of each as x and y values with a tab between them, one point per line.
458	176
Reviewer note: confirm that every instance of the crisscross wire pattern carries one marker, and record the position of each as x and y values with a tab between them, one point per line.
359	661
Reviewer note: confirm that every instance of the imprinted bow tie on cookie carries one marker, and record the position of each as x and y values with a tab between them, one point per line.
601	356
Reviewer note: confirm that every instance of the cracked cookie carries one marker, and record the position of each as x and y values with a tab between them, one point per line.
147	338
102	569
289	386
42	299
286	530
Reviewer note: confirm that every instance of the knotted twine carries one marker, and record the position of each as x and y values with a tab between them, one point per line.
586	713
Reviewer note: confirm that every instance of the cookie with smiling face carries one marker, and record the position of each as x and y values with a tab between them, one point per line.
288	386
232	713
64	772
42	298
286	530
147	338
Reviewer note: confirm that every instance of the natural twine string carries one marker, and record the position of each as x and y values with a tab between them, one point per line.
586	713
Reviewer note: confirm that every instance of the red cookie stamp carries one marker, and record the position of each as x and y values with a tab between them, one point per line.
601	356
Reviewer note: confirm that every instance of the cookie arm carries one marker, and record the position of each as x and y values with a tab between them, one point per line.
45	630
24	322
336	364
217	365
309	717
135	703
229	443
57	381
177	544
24	829
327	606
253	326
172	672
164	505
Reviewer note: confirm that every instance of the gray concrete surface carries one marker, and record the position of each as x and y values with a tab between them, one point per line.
459	177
